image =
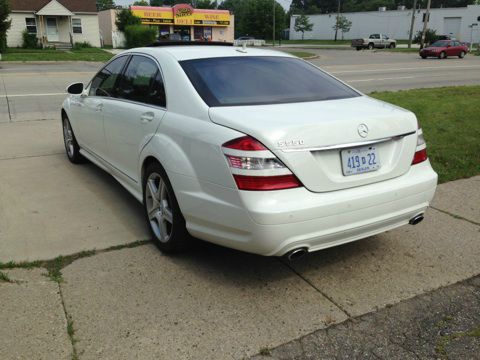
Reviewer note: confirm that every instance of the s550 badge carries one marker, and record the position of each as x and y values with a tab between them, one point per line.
286	143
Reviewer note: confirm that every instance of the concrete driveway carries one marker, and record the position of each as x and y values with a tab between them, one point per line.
130	301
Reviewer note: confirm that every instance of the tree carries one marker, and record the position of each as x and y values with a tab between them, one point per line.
255	17
156	2
4	23
342	24
126	18
302	24
206	4
141	3
105	5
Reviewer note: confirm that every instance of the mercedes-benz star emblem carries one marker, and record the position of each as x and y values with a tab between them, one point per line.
362	130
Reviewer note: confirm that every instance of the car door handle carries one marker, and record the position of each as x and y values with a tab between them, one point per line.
99	107
147	117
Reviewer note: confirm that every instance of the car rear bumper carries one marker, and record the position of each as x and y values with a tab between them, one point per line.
276	222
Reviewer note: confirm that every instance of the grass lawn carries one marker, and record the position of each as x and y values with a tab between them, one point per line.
85	54
302	54
450	118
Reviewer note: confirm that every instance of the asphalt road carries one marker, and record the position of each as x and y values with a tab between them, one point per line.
36	91
380	71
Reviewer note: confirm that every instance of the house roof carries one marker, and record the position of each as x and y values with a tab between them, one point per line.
36	5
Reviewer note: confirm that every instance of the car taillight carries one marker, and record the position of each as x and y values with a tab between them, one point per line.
421	150
245	182
255	168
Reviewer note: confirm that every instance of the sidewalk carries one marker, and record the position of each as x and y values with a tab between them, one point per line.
133	302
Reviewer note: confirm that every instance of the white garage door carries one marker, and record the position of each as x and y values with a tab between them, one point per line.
451	26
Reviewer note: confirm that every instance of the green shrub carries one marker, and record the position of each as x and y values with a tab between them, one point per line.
430	36
30	41
82	45
139	35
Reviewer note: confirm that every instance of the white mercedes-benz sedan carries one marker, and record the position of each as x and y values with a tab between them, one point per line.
251	149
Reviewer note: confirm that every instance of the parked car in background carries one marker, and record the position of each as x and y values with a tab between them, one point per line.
379	41
443	49
218	144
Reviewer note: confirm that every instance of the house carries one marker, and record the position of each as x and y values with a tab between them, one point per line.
56	23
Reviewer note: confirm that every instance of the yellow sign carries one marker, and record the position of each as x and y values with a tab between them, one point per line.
181	15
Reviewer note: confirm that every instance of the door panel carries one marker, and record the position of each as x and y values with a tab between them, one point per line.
128	128
87	110
452	26
52	29
133	118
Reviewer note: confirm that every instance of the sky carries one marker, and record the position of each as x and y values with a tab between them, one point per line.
284	3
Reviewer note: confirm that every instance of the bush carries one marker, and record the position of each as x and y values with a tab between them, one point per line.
430	36
139	35
30	41
82	45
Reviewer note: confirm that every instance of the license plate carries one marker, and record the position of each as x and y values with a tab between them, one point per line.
360	160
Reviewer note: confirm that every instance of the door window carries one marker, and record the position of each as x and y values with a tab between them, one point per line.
142	82
104	83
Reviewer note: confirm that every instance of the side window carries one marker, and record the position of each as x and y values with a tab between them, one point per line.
103	84
142	82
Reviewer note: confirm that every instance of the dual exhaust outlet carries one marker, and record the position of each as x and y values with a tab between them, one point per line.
300	252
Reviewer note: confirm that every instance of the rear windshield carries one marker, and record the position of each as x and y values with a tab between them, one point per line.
257	80
440	44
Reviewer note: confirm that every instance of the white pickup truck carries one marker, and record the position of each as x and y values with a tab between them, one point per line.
374	41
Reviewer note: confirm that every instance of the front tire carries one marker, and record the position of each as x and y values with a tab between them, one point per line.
71	146
370	46
162	213
461	55
392	46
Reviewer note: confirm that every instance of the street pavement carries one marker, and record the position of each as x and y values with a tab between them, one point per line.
129	301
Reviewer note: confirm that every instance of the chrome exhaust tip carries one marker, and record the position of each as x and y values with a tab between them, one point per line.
296	254
416	219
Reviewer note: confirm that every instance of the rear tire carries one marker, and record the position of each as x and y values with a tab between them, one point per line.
461	55
442	55
162	213
71	146
359	48
423	56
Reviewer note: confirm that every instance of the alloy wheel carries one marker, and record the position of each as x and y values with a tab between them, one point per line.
159	209
68	138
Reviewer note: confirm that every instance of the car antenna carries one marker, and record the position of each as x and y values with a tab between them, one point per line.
244	48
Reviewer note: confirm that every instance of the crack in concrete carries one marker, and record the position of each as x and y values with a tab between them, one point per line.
455	216
69	323
31	156
349	316
8	102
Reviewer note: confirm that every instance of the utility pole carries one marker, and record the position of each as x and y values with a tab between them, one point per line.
412	24
274	1
425	24
336	21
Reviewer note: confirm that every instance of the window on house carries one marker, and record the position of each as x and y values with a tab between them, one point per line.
31	25
77	26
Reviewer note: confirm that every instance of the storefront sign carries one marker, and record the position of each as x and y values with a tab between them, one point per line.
182	14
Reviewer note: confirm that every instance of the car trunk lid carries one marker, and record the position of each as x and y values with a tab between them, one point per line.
309	137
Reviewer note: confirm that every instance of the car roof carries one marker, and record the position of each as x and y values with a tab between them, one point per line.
190	52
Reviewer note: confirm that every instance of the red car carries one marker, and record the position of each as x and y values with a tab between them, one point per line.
443	49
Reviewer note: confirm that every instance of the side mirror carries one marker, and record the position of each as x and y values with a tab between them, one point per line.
75	89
